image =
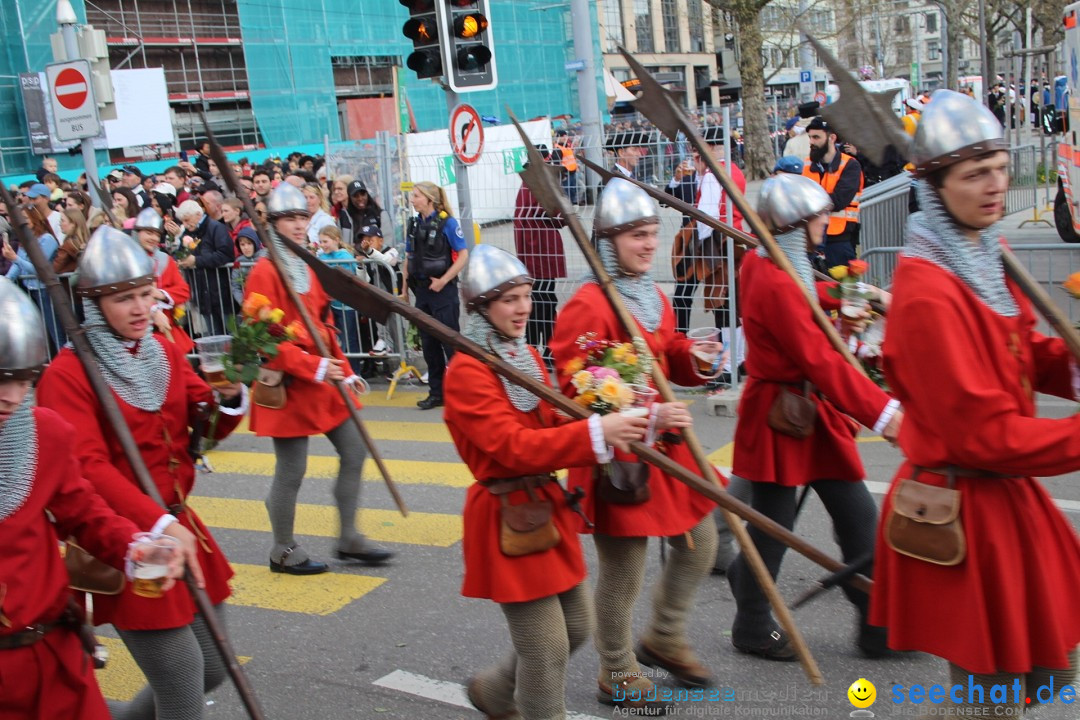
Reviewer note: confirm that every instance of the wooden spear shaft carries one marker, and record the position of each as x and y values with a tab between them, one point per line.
749	550
219	157
62	307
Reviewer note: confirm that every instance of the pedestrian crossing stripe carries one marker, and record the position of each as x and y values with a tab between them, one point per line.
255	586
404	472
433	529
428	432
121	679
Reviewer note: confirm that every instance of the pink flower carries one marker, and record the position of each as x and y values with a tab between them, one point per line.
602	372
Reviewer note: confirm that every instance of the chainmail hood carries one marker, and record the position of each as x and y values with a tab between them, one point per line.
140	378
793	244
18	457
639	292
514	351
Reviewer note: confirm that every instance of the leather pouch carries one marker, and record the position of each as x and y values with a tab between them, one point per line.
623	483
924	522
269	389
527	528
88	574
793	414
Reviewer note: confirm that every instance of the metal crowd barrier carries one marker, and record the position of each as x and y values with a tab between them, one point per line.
1023	178
216	295
883	212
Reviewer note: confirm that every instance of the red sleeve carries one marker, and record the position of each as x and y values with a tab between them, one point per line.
680	365
172	281
979	420
476	403
69	394
828	302
809	348
197	391
1053	369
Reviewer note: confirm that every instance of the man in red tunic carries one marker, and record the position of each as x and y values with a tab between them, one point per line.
45	670
512	444
788	353
160	398
962	354
627	225
313	406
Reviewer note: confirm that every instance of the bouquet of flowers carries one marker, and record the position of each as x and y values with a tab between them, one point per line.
852	291
256	334
604	373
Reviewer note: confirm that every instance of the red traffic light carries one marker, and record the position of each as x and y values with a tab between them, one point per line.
469	26
421	32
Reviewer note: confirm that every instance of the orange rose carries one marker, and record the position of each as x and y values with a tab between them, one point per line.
858	267
1072	285
296	331
264	313
253	303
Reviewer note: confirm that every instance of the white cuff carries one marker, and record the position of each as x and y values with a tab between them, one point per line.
603	451
651	432
168	303
321	372
163	522
240	411
886	415
363	388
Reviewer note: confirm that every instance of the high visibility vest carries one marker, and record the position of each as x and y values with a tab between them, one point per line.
838	218
568	160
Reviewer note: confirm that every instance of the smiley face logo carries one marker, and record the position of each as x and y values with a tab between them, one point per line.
862	693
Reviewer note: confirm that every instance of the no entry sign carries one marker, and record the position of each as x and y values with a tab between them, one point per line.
72	96
466	134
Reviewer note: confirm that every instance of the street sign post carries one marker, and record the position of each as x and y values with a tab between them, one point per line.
466	134
72	95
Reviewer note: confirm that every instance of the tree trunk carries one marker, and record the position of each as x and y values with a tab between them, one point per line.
954	20
757	145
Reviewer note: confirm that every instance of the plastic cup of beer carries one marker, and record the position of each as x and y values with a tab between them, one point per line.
643	398
212	351
854	299
706	362
150	558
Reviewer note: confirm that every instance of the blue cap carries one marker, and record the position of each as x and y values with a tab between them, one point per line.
791	122
38	190
789	164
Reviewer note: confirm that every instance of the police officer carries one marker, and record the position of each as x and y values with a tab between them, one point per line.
435	252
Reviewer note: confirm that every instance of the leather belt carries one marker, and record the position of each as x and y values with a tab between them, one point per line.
505	486
955	471
31	635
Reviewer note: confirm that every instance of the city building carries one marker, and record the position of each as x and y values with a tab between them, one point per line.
280	72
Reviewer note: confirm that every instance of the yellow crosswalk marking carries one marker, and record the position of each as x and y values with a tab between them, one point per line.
419	528
391	430
405	472
121	679
256	586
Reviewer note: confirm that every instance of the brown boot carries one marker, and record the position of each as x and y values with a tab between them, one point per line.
472	692
633	692
683	665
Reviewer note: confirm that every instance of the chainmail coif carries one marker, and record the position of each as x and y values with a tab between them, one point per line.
934	236
793	244
639	292
18	457
140	378
297	268
514	351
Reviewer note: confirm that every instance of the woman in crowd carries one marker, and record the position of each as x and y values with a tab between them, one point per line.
963	356
361	210
339	196
232	214
626	224
435	252
125	207
311	405
319	209
161	399
76	235
788	354
540	588
22	270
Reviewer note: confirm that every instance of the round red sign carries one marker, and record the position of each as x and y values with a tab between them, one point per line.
70	88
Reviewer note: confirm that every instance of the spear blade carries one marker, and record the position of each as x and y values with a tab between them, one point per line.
667	115
863	118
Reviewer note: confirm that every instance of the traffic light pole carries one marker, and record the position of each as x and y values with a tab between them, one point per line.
65	17
588	92
461	174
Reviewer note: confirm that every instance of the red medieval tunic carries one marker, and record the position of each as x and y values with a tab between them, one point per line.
312	407
53	678
785	347
162	438
498	441
966	377
673	508
171	280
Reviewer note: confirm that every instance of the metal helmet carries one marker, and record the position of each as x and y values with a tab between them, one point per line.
954	127
489	273
149	219
623	206
23	347
111	262
286	199
786	200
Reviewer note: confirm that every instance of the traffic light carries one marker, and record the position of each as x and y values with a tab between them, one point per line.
422	28
469	50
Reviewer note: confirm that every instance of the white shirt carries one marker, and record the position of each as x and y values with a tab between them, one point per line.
317	222
710	194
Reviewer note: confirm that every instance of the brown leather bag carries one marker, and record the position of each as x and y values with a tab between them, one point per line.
527	527
793	414
623	483
88	574
268	391
924	522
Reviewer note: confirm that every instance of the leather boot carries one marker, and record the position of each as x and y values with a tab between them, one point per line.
634	693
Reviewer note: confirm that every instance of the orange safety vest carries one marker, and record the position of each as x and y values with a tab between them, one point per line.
569	162
838	219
